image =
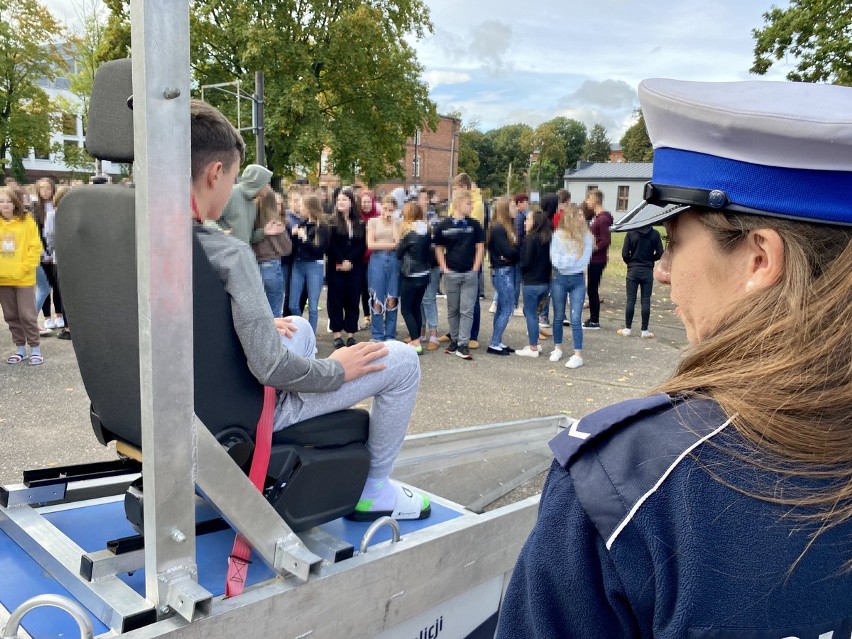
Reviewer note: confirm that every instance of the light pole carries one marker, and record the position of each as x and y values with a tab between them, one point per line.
533	158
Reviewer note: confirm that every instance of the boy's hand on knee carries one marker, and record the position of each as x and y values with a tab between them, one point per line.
358	360
285	326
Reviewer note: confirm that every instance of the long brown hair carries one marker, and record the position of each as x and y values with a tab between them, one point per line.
411	214
780	365
18	210
573	229
503	218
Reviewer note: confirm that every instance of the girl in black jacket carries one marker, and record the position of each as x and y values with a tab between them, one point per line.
535	270
310	241
414	253
345	267
503	255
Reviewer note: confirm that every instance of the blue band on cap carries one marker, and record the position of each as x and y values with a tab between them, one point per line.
823	196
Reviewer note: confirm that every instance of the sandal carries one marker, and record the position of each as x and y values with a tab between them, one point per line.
16	358
36	360
409	505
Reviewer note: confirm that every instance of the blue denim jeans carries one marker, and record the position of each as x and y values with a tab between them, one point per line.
503	279
42	288
383	281
519	279
430	306
533	295
306	274
573	289
272	276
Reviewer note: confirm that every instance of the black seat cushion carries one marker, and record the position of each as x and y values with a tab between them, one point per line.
334	429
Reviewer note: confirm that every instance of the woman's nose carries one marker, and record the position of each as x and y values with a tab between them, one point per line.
662	273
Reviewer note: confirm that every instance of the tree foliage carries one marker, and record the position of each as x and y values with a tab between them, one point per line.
635	142
28	53
597	147
816	33
338	74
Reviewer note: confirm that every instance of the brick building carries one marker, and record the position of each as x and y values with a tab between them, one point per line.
437	154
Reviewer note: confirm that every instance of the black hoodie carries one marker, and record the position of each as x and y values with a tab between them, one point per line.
642	248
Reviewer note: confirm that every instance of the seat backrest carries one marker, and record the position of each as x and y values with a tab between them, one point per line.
96	256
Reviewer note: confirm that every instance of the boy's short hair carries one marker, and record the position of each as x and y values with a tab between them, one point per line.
564	196
214	138
463	180
521	197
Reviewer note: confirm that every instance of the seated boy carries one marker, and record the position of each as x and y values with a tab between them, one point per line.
280	352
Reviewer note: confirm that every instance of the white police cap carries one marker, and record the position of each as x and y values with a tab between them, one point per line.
781	149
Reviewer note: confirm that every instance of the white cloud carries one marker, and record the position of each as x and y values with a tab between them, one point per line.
436	78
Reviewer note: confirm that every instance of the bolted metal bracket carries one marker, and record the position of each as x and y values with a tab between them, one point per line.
180	592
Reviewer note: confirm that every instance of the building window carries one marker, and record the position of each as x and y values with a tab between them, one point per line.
623	197
69	123
43	154
417	166
70	147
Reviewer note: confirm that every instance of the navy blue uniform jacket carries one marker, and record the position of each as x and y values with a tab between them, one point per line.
640	534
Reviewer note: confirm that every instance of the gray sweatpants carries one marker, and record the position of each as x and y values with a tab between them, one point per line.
393	390
462	290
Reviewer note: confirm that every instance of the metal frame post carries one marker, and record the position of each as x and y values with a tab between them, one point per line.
160	42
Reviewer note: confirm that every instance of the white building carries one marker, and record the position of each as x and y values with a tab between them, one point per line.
39	165
622	183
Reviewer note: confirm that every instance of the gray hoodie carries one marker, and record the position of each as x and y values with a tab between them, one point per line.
241	212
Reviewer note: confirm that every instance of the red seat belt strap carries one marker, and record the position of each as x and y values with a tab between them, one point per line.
238	562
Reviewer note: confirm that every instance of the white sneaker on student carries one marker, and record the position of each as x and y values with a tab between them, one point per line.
526	351
59	322
647	335
519	312
48	323
493	307
626	332
556	355
575	362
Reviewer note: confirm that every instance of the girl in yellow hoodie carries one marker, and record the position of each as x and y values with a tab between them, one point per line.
20	252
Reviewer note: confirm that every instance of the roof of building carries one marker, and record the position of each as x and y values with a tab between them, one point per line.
611	171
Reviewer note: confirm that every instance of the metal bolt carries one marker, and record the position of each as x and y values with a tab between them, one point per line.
170	93
165	609
178	536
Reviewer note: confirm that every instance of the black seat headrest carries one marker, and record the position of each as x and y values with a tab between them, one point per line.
109	135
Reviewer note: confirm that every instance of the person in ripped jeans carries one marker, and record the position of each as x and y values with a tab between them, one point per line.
459	247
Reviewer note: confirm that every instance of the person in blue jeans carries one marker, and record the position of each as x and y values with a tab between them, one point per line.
310	241
269	250
504	256
570	252
535	268
383	271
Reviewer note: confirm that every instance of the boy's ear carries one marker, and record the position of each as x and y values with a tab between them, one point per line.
213	173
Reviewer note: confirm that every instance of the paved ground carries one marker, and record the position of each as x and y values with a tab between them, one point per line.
44	410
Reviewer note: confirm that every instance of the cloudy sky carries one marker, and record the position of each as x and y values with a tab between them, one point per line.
509	61
531	60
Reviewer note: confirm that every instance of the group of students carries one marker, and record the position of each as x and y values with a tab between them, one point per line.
28	269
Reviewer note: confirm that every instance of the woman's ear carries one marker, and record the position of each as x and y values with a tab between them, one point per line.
765	253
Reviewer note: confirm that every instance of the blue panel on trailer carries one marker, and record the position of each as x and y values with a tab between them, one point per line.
90	526
21	578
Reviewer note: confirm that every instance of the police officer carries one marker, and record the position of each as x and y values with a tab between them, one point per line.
721	505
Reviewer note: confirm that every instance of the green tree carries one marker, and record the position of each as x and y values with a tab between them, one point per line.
468	155
574	133
338	74
597	147
73	157
635	142
28	54
816	33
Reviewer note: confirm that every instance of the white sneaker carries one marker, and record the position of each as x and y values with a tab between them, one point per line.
48	323
493	307
542	324
519	312
626	332
647	335
575	362
556	355
59	322
526	351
